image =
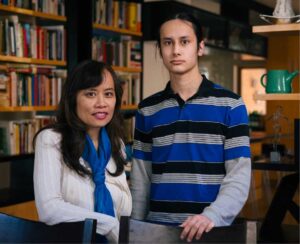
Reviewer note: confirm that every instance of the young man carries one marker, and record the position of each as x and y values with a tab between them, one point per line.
191	150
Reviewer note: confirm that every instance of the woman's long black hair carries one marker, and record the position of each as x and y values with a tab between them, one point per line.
85	75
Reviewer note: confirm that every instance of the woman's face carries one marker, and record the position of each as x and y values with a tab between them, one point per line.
96	105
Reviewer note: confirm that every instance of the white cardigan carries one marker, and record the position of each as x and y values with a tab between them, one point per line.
61	195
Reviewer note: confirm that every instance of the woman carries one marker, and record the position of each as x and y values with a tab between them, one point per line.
79	159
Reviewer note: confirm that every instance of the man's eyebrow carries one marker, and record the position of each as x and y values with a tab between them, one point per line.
170	38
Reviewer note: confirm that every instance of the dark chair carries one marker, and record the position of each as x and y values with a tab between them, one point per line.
135	231
272	229
19	230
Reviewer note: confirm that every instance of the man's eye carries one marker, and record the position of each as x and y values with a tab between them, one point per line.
167	43
184	42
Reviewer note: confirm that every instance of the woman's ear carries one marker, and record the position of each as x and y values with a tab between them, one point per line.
201	48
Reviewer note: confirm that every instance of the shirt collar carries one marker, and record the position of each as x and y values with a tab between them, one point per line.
203	88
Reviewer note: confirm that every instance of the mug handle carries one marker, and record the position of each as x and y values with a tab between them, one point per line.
261	80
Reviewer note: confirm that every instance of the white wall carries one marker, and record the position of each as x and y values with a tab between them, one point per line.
155	75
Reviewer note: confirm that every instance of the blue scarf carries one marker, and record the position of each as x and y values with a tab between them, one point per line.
98	161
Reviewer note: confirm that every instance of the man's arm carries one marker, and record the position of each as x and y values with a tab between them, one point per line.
233	192
140	181
234	189
140	176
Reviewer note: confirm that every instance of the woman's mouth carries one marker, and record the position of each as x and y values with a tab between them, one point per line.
100	115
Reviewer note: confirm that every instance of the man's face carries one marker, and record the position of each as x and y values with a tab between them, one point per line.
178	44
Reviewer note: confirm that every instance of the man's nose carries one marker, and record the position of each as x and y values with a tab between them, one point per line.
176	49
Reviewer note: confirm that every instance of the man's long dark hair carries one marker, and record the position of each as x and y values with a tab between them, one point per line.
85	75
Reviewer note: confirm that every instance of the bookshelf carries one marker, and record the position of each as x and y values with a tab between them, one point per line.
32	69
283	53
116	40
32	38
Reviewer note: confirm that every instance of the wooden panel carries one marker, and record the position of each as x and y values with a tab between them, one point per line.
277	29
118	30
25	210
32	13
280	97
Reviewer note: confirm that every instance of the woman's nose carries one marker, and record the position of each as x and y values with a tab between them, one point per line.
101	101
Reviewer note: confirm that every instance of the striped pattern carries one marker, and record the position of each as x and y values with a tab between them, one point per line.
187	178
188	144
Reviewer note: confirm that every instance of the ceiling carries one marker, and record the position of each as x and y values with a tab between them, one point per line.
272	4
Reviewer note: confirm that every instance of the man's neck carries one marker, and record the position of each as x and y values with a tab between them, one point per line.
186	85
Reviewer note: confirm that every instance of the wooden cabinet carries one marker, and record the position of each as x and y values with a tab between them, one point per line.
218	31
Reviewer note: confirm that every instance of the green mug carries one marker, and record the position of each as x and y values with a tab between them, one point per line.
278	81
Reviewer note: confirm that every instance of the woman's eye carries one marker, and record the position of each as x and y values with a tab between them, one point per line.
109	94
90	94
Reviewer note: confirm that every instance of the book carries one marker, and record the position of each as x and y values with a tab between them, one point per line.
4	90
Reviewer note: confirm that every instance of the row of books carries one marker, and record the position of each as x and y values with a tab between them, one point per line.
27	87
131	87
30	40
16	136
117	51
119	14
56	7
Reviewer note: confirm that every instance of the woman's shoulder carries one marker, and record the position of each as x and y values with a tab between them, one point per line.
49	136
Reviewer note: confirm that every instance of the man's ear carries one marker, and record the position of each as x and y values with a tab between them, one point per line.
201	48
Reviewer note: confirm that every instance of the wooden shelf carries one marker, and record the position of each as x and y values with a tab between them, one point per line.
32	13
27	108
129	107
14	59
118	30
288	96
277	29
127	69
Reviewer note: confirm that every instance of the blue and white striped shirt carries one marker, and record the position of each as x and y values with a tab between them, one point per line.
187	144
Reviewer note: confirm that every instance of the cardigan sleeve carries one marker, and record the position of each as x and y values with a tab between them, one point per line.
51	206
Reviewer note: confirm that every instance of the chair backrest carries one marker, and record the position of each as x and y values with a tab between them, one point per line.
19	230
282	202
135	231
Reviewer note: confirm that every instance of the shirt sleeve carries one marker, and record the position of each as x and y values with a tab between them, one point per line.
51	206
234	189
140	176
233	193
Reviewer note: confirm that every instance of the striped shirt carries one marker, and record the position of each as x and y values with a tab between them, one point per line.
186	144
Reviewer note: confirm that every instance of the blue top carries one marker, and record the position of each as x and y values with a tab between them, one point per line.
187	144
